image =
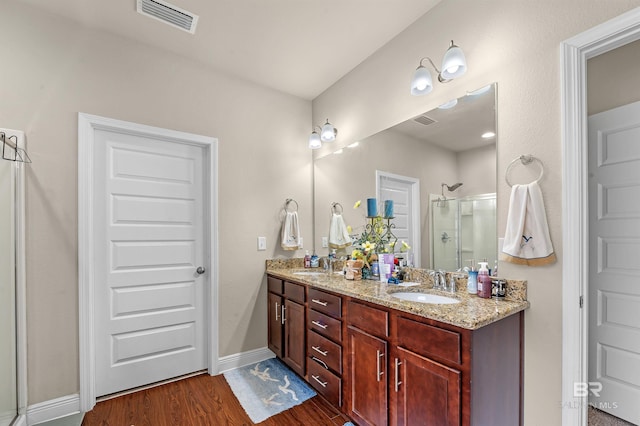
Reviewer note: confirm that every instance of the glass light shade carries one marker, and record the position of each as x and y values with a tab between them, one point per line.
328	132
421	83
448	105
314	141
454	63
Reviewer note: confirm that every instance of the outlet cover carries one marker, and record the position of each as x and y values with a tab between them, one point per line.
300	243
325	242
262	243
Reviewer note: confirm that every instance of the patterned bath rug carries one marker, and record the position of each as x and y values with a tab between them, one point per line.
267	388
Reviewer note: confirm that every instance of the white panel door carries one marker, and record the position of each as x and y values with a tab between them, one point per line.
614	256
405	193
148	300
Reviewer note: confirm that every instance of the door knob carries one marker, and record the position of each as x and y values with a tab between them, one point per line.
200	270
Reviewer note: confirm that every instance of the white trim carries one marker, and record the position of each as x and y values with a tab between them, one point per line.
574	53
241	359
53	409
21	290
87	124
415	213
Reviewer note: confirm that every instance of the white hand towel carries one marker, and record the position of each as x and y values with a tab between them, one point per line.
526	239
290	232
338	234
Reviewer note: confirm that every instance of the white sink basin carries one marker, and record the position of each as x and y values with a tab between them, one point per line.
424	297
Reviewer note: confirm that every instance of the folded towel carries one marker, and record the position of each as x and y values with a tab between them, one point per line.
526	239
338	234
290	232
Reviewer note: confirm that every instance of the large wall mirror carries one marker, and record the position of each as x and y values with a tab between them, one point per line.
12	322
439	168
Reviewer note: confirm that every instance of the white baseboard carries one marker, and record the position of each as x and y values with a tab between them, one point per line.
241	359
53	409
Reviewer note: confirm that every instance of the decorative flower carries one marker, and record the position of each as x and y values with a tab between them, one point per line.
405	246
368	246
349	229
357	204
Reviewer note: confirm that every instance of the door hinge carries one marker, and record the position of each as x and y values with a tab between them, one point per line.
581	301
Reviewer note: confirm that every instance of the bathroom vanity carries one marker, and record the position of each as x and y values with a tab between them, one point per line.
387	361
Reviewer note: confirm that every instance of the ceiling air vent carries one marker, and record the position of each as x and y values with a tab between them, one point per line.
423	119
169	14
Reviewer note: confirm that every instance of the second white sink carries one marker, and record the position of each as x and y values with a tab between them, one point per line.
424	297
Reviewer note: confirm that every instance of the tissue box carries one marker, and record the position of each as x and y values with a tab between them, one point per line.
354	269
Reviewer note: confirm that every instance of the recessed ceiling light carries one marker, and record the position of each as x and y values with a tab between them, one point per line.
353	145
488	135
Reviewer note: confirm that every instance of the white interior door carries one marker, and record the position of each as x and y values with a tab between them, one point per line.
148	244
405	193
614	257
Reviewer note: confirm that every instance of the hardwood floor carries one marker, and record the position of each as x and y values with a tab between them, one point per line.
201	401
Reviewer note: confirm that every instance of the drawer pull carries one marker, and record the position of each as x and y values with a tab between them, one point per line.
321	352
317	379
378	368
320	361
319	324
319	302
283	319
398	383
277	318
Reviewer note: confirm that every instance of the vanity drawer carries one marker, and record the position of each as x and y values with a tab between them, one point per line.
366	318
325	325
294	292
323	349
325	382
428	340
324	302
275	285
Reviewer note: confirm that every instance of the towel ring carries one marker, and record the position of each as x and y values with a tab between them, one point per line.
525	160
334	208
289	201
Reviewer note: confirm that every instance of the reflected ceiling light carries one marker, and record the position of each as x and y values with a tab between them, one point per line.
488	135
480	91
340	151
454	65
327	133
353	145
449	105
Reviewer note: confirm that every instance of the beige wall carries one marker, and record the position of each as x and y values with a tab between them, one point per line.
610	77
53	69
516	44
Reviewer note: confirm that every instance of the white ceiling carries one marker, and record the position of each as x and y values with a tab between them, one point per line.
299	47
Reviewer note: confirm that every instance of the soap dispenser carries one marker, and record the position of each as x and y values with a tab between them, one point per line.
484	281
472	280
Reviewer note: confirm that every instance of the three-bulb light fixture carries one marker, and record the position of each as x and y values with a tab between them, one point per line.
454	65
327	133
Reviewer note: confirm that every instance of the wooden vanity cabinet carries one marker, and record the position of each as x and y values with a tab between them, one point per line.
286	330
367	333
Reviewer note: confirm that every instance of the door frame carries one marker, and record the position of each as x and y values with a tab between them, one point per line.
574	54
87	125
415	211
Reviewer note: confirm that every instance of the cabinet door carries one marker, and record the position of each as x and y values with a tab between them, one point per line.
423	392
367	378
294	342
275	324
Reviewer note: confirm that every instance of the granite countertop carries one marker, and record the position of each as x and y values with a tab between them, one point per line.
471	313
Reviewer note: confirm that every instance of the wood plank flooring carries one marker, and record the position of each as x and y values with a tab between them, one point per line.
201	401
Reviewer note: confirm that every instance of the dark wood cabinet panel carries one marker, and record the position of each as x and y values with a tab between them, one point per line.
325	351
322	301
367	378
294	292
294	336
424	392
369	319
276	336
325	382
428	340
275	285
325	325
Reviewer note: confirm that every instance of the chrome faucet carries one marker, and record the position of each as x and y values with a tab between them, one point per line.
439	280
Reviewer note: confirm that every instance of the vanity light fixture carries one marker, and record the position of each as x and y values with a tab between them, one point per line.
327	133
454	65
448	105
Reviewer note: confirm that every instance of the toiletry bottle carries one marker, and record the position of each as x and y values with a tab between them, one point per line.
472	280
495	268
307	260
484	281
315	262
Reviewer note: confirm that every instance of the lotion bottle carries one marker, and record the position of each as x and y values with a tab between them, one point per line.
472	280
484	281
